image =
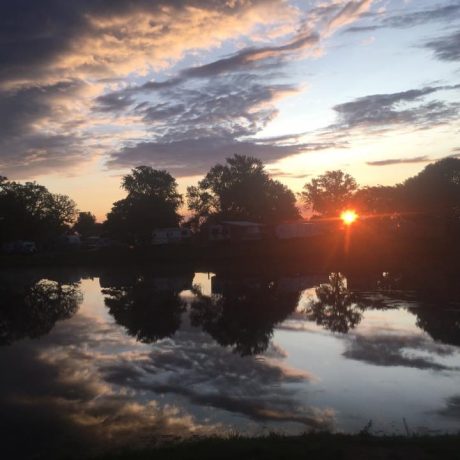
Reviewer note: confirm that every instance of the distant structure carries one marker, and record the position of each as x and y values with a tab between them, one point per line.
171	235
235	230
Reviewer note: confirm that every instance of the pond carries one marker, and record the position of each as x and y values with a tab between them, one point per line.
108	357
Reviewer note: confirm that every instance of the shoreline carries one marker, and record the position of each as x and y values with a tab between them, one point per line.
323	446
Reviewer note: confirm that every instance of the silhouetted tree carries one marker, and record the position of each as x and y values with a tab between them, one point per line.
378	200
435	190
149	313
244	315
442	324
152	202
33	312
29	211
336	308
329	193
85	224
241	189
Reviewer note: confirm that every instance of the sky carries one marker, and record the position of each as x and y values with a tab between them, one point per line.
92	88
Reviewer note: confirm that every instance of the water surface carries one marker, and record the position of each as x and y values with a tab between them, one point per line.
92	360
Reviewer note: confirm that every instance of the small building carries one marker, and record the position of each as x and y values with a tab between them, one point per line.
292	230
172	235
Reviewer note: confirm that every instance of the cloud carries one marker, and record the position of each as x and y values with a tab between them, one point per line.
400	350
406	108
446	48
349	13
105	38
34	120
452	408
193	127
395	161
47	49
248	386
441	13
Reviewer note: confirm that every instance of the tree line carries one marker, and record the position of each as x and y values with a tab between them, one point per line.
239	189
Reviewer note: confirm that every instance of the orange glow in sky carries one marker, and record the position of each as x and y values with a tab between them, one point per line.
348	217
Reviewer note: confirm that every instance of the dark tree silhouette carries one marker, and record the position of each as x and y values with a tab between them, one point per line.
378	200
442	324
152	202
435	190
241	189
148	313
330	193
33	312
30	212
336	309
86	224
244	315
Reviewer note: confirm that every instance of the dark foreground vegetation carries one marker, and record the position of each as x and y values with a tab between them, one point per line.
309	446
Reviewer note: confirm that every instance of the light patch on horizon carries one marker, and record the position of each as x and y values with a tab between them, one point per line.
306	86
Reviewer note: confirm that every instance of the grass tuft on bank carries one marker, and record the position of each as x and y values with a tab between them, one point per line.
309	446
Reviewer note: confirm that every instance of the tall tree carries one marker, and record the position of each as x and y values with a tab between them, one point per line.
241	189
329	193
29	211
378	199
85	224
152	202
436	189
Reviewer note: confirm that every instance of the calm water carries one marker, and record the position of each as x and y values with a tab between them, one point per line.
97	360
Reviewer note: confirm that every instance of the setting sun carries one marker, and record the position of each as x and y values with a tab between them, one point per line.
348	217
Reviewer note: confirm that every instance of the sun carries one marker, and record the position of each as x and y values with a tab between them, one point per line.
349	216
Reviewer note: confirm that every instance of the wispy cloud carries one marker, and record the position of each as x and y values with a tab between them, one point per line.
440	13
446	48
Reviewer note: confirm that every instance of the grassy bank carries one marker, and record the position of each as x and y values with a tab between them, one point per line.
310	446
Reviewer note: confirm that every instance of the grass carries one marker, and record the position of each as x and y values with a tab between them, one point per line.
321	446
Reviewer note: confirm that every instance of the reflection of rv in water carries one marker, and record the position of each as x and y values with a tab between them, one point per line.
19	247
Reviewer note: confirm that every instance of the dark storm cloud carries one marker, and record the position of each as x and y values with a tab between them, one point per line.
445	13
402	108
396	161
21	108
446	48
48	47
28	142
34	35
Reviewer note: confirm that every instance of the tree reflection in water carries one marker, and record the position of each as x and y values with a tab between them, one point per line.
244	314
149	309
336	308
32	311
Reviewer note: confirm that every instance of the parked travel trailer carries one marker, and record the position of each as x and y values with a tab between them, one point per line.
235	230
173	235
